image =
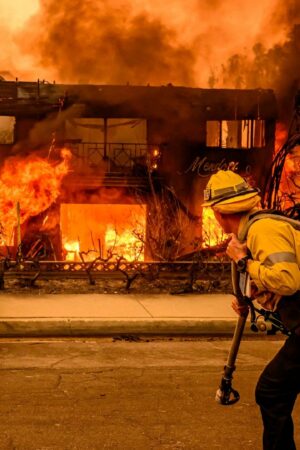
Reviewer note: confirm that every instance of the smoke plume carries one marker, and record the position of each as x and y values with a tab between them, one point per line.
211	43
92	42
276	67
154	42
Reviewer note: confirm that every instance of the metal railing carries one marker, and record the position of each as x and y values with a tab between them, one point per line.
111	157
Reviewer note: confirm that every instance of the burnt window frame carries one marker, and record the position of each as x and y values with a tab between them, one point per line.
239	134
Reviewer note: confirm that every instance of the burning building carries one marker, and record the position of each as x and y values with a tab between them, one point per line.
92	170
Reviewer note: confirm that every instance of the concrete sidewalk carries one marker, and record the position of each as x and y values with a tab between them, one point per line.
106	314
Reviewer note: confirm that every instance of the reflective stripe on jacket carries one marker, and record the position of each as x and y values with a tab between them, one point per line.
275	250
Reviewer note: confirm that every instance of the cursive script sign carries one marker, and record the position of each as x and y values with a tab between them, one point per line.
203	167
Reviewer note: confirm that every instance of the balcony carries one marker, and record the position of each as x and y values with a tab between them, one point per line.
111	163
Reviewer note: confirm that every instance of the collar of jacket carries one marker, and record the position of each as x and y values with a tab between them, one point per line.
244	220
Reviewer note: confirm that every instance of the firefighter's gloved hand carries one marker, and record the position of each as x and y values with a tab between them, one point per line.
235	249
241	310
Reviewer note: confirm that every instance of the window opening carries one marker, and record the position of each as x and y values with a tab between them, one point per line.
246	133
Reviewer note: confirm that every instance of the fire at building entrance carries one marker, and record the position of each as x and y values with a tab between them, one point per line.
109	231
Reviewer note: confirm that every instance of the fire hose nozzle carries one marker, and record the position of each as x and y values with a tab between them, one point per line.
226	395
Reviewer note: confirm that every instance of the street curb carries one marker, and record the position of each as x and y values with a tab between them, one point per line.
109	327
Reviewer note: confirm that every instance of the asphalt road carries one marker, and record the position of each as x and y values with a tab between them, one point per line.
97	394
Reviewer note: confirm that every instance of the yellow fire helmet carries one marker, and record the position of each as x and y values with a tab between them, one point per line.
228	188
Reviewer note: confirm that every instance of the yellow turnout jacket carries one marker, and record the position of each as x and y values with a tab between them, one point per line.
275	262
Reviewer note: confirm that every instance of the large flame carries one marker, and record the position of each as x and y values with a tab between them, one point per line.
33	183
107	231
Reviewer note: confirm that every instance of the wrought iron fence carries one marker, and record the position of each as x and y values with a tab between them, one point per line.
99	266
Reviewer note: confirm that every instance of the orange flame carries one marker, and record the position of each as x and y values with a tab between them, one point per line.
32	182
108	231
281	134
212	233
124	245
290	180
72	249
289	189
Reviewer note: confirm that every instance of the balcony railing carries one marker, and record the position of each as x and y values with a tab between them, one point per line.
111	157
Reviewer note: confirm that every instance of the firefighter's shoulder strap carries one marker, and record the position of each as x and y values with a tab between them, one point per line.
267	215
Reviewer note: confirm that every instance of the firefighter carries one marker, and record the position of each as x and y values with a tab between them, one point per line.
271	256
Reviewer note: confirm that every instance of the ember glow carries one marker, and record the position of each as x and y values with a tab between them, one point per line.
32	182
